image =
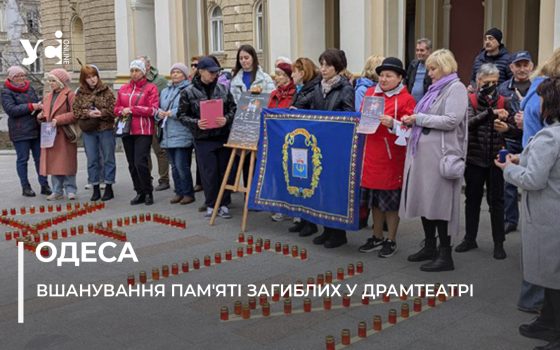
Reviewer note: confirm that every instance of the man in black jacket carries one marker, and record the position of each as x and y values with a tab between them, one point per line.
209	139
417	79
493	52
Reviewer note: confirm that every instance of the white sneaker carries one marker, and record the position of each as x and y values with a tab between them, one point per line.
209	212
102	186
88	186
278	217
71	196
223	212
54	197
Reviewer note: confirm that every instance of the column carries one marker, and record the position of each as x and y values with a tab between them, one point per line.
123	31
354	35
163	36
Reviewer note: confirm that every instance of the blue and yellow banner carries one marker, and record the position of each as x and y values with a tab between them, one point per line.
309	165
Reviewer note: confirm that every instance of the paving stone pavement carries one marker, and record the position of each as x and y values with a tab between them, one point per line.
488	320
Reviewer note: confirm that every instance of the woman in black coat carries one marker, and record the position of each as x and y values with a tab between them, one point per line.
21	104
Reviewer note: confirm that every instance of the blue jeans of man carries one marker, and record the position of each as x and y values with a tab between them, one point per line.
64	182
100	145
511	207
180	160
22	153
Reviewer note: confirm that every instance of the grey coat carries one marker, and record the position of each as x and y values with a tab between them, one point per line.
538	174
425	192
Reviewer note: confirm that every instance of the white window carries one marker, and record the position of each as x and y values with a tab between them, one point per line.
36	66
259	27
217	30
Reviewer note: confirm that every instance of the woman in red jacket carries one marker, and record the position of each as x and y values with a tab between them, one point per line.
285	90
383	168
139	101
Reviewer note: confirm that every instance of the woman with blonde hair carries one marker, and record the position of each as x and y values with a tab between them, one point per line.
431	191
368	79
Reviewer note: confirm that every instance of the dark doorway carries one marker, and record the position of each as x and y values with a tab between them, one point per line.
332	24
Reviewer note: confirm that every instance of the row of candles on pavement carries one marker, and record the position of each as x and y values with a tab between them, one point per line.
50	208
278	246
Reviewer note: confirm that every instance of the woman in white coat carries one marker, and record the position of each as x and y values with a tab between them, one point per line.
248	75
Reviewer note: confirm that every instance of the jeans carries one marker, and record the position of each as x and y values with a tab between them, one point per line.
531	296
68	182
213	159
475	178
137	150
95	143
180	160
22	152
511	208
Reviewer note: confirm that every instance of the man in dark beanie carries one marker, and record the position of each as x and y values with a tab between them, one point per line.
493	52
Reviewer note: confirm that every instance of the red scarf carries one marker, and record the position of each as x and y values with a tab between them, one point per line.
15	88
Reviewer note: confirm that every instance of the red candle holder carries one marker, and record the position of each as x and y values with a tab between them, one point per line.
249	250
276	295
362	329
81	229
345	337
127	221
386	298
259	241
185	267
417	305
286	249
224	313
303	254
278	247
249	239
287	306
431	301
377	324
246	312
403	296
143	278
165	271
130	279
295	251
392	316
155	274
266	309
22	210
73	231
258	247
351	270
196	264
306	305
365	301
320	279
142	218
267	244
442	297
109	223
218	258
240	252
59	207
207	260
119	222
36	238
345	300
175	269
148	217
422	292
327	303
5	212
8	236
50	208
45	252
228	255
13	211
134	219
405	312
330	342
252	303
328	277
262	299
54	235
90	227
45	236
237	308
340	274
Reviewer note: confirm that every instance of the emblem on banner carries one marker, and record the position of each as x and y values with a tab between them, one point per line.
299	162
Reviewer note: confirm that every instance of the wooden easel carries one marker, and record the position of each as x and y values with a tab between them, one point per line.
236	187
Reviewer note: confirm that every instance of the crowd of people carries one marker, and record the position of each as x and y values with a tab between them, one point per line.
458	137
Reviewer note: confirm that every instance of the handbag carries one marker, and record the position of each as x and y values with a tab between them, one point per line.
71	131
452	166
123	122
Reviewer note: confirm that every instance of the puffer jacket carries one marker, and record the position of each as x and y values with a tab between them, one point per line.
302	98
143	106
340	98
263	80
189	110
484	141
175	134
22	123
362	84
103	99
501	60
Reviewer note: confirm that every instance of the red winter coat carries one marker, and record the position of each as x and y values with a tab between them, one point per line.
143	108
383	159
282	96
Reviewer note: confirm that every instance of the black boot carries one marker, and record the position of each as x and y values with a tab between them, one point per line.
28	192
499	252
297	226
96	195
149	199
108	194
140	198
428	252
337	238
46	190
443	262
466	245
308	229
323	237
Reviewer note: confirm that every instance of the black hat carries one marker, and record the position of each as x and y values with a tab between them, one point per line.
391	63
496	33
209	64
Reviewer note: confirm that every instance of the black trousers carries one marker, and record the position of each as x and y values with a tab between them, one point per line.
213	159
550	313
137	150
475	178
430	227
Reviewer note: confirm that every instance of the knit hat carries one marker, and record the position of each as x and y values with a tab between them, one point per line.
286	68
14	70
60	75
496	33
138	64
184	69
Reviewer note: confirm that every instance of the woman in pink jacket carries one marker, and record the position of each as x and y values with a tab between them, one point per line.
138	101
